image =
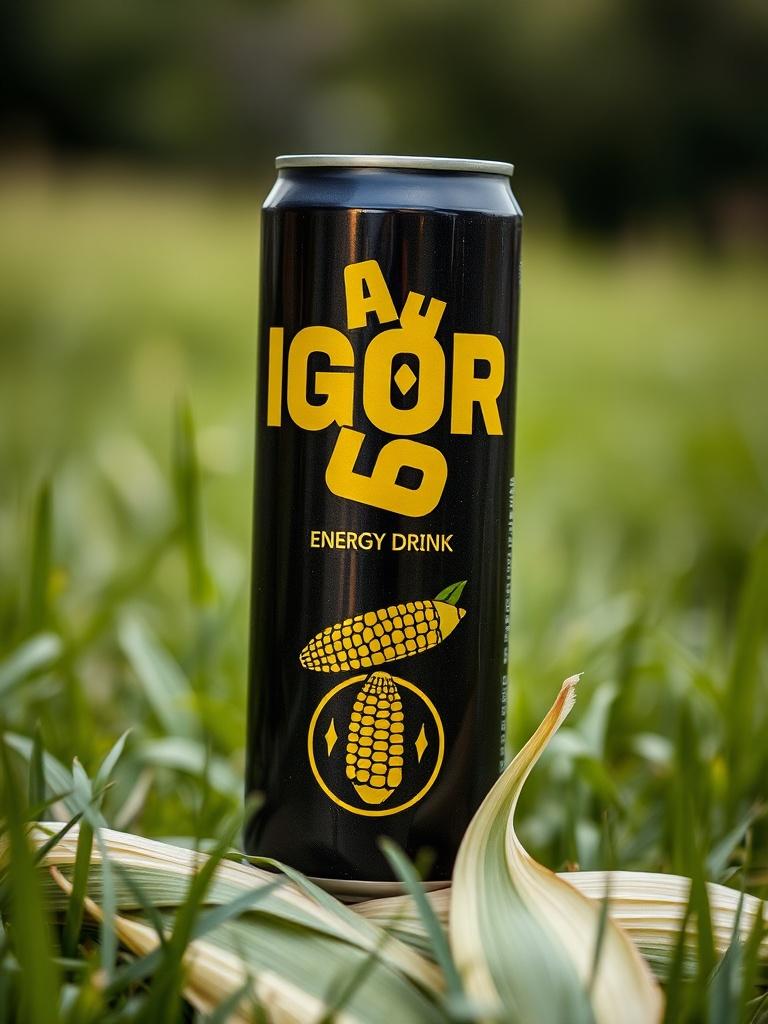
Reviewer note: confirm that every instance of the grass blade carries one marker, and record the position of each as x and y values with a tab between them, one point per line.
56	774
344	987
353	927
675	980
32	939
212	919
108	765
753	957
38	614
165	685
168	981
87	799
32	658
187	481
226	1008
190	756
721	853
742	697
74	920
724	991
52	842
36	787
109	941
438	939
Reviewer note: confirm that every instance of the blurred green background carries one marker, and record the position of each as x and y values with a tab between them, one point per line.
137	147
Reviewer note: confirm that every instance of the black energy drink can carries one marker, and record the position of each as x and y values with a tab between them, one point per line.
383	509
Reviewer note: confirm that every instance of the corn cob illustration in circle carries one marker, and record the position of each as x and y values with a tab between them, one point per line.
375	739
388	634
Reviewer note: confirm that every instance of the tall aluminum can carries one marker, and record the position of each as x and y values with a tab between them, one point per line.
383	509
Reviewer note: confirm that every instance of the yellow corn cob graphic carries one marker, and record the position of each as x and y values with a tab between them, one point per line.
375	739
373	638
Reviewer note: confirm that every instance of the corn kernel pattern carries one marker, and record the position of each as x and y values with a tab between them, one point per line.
373	638
375	739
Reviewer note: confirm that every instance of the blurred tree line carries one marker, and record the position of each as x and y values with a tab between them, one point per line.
617	110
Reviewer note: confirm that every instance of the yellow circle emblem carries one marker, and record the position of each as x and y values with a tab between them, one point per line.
374	737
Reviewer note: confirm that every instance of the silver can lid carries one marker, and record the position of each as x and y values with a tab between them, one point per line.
404	163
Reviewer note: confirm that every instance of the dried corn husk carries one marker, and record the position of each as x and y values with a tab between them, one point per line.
525	940
294	949
649	907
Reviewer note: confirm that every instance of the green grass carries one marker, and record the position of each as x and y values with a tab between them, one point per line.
639	553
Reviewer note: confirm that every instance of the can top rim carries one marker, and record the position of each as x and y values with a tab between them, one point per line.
405	163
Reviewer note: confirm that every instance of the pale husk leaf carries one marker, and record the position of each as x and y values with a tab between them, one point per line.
293	953
520	934
649	907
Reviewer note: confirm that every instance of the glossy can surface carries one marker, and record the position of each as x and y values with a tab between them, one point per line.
382	512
